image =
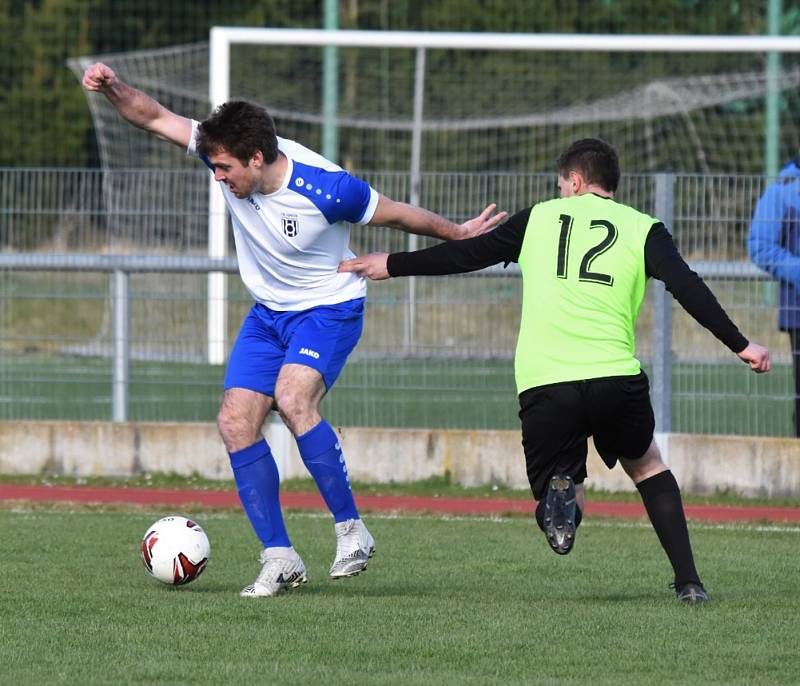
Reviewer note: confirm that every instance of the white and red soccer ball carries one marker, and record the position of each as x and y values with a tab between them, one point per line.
175	550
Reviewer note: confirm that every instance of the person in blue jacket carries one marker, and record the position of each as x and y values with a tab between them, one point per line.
774	246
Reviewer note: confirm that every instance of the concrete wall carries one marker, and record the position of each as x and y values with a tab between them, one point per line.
702	464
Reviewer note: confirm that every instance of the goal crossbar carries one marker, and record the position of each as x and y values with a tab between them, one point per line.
222	38
506	41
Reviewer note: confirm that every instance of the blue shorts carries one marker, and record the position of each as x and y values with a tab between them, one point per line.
321	338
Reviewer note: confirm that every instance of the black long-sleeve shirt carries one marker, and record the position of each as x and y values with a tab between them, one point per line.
661	258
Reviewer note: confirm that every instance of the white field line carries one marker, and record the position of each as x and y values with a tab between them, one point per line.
37	513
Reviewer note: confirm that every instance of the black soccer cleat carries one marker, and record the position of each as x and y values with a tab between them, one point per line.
559	514
691	593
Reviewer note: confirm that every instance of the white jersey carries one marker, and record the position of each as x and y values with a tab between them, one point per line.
289	243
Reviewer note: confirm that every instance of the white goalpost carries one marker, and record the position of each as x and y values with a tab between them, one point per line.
676	95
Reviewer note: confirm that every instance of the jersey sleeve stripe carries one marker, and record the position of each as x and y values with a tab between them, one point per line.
369	211
191	149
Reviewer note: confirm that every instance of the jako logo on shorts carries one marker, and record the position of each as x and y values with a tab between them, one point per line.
310	353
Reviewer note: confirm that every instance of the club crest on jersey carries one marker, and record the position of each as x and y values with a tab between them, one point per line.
291	224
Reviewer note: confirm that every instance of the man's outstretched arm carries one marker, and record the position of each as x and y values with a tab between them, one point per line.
503	244
136	107
418	220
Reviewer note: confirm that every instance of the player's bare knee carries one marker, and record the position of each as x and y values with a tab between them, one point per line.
298	417
297	409
235	429
291	402
646	466
226	425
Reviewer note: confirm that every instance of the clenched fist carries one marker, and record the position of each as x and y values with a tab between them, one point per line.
98	77
757	356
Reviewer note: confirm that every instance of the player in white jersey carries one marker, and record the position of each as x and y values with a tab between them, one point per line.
291	209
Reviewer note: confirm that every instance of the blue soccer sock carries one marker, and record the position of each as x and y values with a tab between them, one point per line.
258	482
323	457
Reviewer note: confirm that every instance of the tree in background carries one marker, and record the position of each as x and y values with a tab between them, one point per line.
47	122
45	118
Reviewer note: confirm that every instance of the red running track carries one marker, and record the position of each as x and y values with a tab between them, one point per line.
376	503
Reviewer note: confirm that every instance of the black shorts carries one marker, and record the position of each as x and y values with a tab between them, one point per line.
558	418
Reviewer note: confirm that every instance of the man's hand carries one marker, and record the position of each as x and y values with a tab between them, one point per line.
418	220
483	222
757	356
136	107
372	266
98	77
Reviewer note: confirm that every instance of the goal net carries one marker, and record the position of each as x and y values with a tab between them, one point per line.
451	127
482	110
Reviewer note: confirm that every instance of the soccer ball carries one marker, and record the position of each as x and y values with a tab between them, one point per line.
175	550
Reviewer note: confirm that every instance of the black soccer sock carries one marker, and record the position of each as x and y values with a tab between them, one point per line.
662	500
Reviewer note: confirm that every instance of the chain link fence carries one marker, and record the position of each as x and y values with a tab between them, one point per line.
436	351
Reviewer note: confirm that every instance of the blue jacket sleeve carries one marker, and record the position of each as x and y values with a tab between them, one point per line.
766	233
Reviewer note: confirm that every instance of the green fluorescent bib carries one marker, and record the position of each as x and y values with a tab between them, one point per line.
582	263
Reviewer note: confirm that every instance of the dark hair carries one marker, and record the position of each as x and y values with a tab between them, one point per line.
596	161
240	128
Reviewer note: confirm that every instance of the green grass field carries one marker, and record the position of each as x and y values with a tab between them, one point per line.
445	601
437	393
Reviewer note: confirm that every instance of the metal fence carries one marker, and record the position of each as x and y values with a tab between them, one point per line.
106	319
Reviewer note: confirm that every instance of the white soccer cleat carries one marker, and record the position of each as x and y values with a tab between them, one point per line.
354	547
283	569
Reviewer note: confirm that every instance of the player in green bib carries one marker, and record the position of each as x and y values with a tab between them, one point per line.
581	323
585	260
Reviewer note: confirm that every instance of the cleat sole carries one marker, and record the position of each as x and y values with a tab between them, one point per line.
280	591
344	575
560	507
